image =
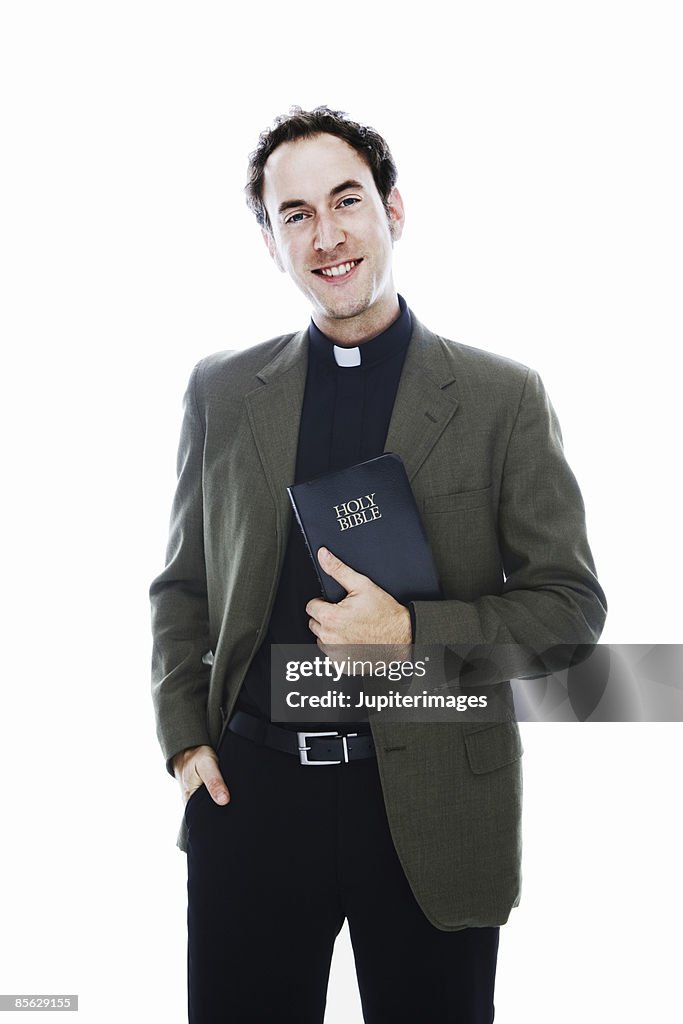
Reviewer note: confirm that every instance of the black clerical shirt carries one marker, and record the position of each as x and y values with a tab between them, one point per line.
344	420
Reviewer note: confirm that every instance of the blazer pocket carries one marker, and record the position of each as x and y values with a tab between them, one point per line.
458	501
493	747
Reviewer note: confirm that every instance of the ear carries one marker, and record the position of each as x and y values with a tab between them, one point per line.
396	214
272	249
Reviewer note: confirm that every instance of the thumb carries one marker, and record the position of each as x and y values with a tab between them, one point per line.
339	571
209	772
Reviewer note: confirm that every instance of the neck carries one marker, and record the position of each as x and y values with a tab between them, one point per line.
349	331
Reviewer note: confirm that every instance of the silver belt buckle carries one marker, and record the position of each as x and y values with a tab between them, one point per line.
303	748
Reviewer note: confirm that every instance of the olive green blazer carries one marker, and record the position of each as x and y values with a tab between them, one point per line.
505	519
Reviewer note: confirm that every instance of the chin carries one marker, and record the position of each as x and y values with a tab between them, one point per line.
344	310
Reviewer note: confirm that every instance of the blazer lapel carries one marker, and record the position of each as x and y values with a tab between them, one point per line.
274	410
425	400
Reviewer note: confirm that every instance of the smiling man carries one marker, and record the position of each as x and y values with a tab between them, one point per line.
410	831
333	234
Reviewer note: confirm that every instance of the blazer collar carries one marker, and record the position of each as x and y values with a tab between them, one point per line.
292	356
426	354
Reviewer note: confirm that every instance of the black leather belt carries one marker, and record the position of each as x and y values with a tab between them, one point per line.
312	748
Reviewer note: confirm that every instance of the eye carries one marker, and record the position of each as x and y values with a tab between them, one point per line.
293	218
349	200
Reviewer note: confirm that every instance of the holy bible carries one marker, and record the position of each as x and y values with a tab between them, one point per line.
368	517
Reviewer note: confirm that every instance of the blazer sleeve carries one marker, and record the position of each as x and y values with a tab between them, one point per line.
550	598
179	600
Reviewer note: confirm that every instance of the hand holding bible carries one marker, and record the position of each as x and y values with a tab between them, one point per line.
367	615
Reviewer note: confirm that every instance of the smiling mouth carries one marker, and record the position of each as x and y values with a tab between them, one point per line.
339	270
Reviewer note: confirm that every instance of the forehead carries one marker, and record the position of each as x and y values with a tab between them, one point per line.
309	168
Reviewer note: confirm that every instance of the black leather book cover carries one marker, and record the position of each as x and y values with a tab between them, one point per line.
368	517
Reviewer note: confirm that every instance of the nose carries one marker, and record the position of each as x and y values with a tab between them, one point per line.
328	233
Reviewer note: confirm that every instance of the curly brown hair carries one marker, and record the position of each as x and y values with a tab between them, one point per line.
303	124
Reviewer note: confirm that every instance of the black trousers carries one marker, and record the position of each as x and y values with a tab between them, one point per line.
273	874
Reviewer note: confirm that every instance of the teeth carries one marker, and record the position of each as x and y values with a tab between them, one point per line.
339	271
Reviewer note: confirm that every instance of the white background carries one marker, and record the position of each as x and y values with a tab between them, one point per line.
539	154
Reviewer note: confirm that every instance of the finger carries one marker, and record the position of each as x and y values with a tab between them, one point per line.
339	571
191	785
208	771
218	790
315	607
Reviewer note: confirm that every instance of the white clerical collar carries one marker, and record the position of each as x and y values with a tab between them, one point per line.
347	356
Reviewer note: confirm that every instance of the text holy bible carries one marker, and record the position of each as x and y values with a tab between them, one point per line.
368	517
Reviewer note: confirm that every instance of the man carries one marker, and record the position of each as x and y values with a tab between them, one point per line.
413	832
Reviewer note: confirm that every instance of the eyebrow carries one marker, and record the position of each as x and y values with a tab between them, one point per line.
290	204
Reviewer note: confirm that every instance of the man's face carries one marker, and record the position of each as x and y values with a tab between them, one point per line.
332	235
